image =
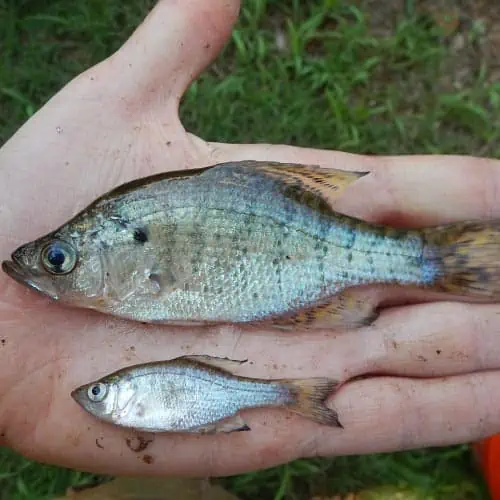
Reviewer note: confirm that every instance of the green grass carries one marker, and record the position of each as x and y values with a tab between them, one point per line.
335	85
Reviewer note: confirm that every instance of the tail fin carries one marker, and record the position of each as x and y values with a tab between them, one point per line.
468	258
308	399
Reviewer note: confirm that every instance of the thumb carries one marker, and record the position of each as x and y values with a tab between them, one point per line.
174	44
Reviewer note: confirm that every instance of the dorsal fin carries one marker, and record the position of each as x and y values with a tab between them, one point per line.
312	185
225	364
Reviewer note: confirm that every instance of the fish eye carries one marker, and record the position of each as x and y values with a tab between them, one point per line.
59	257
97	392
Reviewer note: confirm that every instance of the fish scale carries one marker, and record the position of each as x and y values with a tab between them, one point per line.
245	242
198	394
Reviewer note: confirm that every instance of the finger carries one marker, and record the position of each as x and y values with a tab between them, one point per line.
425	340
404	190
173	45
378	414
49	367
398	414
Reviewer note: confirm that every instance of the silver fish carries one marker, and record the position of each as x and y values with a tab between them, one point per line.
249	242
198	394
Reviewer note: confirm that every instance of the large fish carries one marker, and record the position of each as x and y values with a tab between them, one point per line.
249	242
198	394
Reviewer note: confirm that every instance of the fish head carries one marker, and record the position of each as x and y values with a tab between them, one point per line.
65	265
98	398
115	399
95	261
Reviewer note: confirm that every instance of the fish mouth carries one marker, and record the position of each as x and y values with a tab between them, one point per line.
17	273
76	394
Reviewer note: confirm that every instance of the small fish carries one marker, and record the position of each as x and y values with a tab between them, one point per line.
250	242
198	394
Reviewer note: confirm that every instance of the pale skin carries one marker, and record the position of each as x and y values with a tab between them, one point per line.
118	121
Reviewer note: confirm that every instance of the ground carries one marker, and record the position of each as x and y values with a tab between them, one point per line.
364	76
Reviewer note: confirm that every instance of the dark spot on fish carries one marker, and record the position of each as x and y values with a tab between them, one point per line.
141	410
122	222
3	341
108	274
394	344
220	291
98	444
287	257
244	250
461	260
421	358
438	351
140	235
168	143
255	295
148	459
155	278
138	443
132	348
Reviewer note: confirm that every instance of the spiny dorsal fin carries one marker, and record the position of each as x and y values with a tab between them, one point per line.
226	364
310	184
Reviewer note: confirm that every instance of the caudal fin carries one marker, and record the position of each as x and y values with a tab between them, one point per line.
308	399
468	258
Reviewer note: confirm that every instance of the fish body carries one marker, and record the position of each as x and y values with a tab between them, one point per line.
197	394
247	242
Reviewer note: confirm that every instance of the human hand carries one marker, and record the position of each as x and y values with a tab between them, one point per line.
119	121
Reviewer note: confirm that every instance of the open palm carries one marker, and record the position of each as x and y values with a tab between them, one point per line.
433	364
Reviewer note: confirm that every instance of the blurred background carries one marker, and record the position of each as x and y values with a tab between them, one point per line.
380	77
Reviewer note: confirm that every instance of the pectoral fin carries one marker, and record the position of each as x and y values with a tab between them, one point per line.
226	364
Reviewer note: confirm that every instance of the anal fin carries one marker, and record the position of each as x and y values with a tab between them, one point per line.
226	426
349	309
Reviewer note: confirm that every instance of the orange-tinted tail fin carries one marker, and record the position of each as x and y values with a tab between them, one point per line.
468	258
308	399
